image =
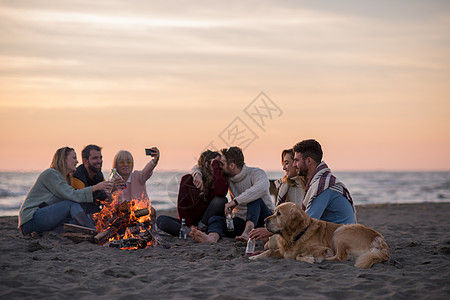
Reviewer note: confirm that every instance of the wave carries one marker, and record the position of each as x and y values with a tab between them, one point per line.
8	193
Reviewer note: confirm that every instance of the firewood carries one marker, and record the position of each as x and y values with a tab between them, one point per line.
128	243
77	228
141	212
104	235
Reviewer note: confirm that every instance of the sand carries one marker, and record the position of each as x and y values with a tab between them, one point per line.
54	267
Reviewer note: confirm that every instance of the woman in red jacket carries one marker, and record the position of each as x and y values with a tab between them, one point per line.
197	205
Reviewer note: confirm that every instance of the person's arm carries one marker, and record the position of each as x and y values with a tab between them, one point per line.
220	183
260	233
56	184
318	206
150	166
197	177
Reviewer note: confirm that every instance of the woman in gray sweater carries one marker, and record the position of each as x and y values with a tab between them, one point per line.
52	201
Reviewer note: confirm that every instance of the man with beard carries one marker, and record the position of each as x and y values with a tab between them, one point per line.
251	202
326	198
89	174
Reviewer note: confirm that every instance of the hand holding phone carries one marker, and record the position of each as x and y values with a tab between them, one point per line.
150	152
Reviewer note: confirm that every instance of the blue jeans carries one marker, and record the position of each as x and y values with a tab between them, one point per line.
257	211
172	225
49	217
218	224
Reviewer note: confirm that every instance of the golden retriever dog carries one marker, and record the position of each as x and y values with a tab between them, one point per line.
310	240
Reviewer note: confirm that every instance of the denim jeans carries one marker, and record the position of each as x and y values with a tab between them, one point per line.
215	208
172	225
218	224
49	217
257	211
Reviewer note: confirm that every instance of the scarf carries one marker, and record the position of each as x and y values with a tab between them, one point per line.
321	180
286	191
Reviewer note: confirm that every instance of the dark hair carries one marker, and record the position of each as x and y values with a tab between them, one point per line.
234	155
309	148
204	166
87	150
286	151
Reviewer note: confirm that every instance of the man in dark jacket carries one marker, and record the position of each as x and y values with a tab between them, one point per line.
89	174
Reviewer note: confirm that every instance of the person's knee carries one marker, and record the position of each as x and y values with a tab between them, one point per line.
218	202
74	207
215	219
161	222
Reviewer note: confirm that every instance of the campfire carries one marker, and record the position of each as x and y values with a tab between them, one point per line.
124	225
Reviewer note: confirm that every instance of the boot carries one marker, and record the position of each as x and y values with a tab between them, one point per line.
83	220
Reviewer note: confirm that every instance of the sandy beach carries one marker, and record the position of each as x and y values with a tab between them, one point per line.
54	267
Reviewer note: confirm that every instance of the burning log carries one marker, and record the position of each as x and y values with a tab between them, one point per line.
131	243
123	219
126	225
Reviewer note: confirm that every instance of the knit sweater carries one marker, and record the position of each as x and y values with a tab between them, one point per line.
50	188
247	186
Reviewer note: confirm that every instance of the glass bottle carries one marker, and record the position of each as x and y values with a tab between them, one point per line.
115	175
230	222
183	230
250	247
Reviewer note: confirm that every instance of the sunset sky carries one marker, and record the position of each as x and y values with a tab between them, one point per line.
370	80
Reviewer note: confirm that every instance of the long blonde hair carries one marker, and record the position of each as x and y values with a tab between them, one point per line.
59	163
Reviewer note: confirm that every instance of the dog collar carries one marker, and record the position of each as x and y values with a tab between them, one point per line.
299	235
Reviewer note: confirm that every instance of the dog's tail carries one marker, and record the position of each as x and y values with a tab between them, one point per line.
379	252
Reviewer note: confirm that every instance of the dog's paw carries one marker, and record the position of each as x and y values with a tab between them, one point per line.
254	257
308	259
264	254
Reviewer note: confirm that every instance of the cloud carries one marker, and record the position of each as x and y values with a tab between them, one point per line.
104	49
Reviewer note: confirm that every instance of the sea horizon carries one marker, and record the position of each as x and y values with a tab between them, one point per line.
366	187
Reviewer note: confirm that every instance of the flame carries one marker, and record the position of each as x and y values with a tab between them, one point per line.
119	217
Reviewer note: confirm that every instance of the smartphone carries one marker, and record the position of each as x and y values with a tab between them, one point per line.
150	152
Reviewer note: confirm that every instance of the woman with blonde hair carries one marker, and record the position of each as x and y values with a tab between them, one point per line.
135	180
52	201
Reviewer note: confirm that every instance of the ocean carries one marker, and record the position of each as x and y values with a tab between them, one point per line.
365	188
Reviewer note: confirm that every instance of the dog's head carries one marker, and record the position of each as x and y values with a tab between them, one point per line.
288	218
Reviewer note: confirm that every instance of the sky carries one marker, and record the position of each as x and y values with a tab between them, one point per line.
370	80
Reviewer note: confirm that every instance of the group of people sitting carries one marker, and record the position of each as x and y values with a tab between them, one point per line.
308	182
66	193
